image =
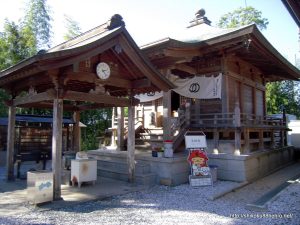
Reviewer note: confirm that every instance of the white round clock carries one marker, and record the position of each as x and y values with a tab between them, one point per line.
103	70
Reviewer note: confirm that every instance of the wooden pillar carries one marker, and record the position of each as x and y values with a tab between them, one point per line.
10	143
261	140
68	138
246	140
237	139
167	115
131	145
225	100
285	123
273	144
197	110
216	141
57	146
113	128
120	128
187	115
76	132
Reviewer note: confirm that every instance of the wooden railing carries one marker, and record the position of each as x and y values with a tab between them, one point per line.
189	118
266	131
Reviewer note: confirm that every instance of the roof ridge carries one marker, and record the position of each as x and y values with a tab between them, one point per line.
115	21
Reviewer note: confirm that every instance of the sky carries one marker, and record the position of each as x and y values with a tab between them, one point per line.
151	20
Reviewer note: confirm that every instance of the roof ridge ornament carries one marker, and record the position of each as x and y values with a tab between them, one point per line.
200	19
115	21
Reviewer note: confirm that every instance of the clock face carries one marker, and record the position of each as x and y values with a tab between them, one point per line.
103	70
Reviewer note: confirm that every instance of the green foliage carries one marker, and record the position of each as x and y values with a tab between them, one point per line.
36	25
13	46
96	121
281	95
243	16
73	28
21	41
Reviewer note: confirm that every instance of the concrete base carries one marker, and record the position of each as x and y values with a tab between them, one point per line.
176	170
166	171
250	167
169	171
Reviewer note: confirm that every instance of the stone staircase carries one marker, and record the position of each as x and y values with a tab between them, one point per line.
146	139
115	167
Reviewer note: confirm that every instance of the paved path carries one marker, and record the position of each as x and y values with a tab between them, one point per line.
13	195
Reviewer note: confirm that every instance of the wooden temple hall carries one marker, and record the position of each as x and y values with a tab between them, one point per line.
204	79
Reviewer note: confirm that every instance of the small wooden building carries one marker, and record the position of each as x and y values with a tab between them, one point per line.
245	62
100	68
231	67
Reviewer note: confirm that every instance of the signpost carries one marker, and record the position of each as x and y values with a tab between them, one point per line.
200	173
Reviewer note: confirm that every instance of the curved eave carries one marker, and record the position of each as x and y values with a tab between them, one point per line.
250	31
294	9
56	55
292	71
76	53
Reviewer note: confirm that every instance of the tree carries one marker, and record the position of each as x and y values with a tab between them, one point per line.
97	121
36	26
12	45
20	41
243	16
73	28
283	95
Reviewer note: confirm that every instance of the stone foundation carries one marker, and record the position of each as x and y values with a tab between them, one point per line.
176	170
250	167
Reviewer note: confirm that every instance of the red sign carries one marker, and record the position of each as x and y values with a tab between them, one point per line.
198	160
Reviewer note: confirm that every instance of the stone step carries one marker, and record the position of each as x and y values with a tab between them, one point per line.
143	147
148	179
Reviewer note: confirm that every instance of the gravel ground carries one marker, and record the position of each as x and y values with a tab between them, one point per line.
172	205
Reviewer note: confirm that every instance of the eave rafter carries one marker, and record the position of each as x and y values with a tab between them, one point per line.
111	81
51	94
97	98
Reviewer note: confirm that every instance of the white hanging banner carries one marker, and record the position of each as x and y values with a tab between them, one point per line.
151	96
198	87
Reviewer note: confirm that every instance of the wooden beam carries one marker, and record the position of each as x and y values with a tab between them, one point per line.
34	81
57	147
84	107
96	98
186	68
117	82
11	78
92	78
141	83
49	105
43	96
211	69
10	143
178	53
